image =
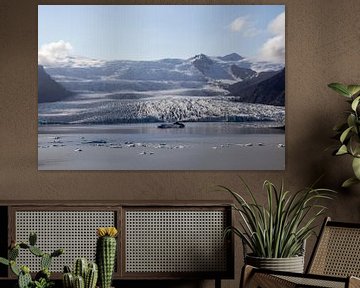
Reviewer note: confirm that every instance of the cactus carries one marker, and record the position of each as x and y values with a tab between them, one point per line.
79	282
57	253
24	280
80	267
90	272
106	254
36	251
14	268
42	278
32	238
45	261
4	261
13	253
44	273
68	280
91	276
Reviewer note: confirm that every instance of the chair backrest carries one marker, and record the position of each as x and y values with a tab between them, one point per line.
337	251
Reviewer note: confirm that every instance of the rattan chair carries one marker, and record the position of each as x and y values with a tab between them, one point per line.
334	263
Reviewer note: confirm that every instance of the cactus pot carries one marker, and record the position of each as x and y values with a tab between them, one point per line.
291	264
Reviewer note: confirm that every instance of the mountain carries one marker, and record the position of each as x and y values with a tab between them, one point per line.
270	91
48	89
200	88
231	57
242	73
197	72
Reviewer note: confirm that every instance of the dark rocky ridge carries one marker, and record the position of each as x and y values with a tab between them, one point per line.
270	91
48	89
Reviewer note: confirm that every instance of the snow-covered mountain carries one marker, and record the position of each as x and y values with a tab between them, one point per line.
194	89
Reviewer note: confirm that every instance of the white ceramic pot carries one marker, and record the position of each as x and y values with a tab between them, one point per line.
291	264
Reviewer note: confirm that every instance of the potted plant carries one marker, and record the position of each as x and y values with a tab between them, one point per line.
348	132
276	233
42	278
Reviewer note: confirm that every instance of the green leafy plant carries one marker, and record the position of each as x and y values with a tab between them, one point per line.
348	132
42	278
279	229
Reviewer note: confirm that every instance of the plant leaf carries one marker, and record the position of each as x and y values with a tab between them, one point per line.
342	150
355	103
340	88
349	182
345	134
356	167
353	89
4	261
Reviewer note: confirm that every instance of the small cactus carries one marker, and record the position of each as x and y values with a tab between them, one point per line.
68	280
79	282
106	254
36	251
32	238
45	261
14	268
24	278
81	267
91	276
13	253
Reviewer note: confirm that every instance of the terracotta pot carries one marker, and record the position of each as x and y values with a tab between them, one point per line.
291	264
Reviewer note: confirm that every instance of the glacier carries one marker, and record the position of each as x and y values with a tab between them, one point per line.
166	90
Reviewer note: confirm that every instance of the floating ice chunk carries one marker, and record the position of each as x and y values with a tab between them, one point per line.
248	144
78	150
130	145
214	147
281	145
115	146
142	153
261	144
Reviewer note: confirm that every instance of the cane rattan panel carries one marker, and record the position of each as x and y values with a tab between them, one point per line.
313	282
75	231
167	241
338	253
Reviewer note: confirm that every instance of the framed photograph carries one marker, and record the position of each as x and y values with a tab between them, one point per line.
161	87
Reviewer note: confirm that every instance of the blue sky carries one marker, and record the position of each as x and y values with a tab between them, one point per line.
149	32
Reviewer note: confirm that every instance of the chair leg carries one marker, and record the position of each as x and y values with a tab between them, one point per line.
246	274
217	283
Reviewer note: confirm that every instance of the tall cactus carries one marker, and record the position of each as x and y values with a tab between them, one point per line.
106	254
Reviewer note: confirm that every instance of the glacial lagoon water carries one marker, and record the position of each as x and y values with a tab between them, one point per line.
198	146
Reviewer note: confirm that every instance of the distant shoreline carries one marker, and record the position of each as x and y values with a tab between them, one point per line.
252	127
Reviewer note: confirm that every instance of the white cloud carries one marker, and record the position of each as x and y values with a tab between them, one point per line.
54	53
244	26
274	48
